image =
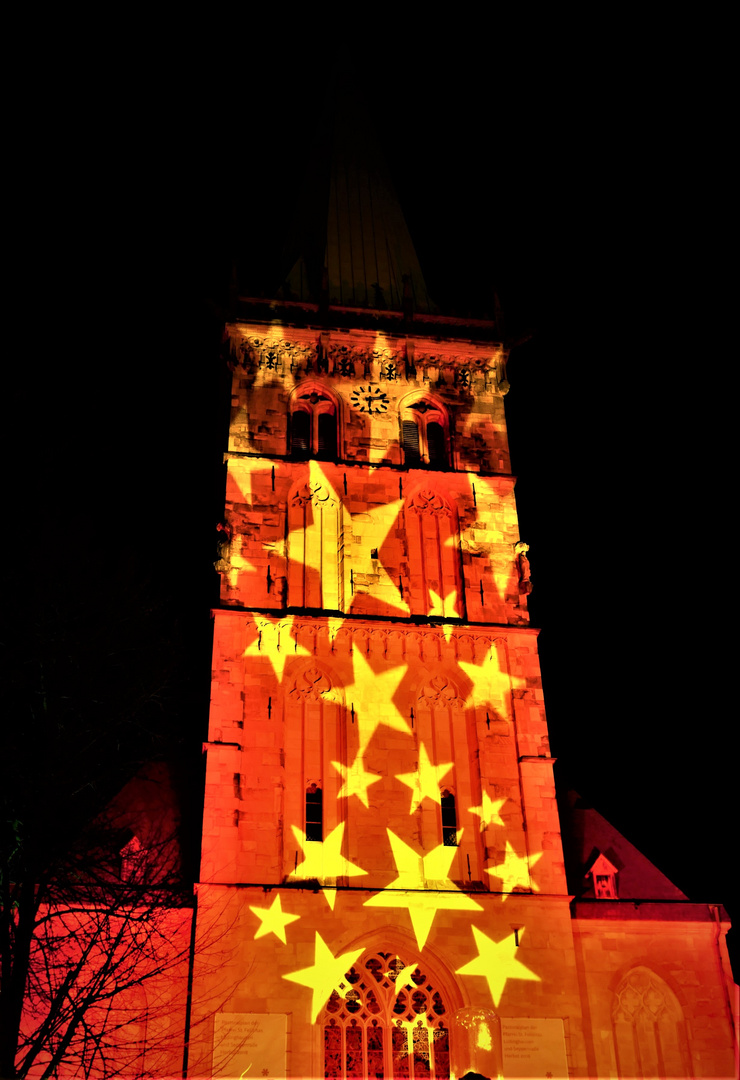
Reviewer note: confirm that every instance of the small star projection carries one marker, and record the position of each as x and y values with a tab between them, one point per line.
514	870
324	859
425	781
489	811
275	642
273	920
496	962
370	686
355	779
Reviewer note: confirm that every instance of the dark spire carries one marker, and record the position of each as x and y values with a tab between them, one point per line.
350	244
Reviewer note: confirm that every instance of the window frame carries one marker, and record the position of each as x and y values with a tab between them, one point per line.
422	411
314	400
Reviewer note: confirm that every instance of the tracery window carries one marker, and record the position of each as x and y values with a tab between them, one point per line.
425	434
375	1027
313	426
315	548
649	1031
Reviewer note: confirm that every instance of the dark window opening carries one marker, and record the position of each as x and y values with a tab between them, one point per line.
436	444
410	435
301	434
327	436
314	813
449	820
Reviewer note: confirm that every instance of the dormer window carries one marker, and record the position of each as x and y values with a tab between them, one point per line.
604	886
132	860
313	427
425	434
604	875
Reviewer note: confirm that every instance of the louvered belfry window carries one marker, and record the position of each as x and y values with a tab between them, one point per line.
327	449
425	433
301	434
411	448
314	425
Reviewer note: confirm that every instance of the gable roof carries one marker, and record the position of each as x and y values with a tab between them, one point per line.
586	834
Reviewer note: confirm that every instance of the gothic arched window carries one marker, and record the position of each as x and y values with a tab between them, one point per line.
376	1028
313	424
315	548
443	721
649	1031
313	740
433	557
425	434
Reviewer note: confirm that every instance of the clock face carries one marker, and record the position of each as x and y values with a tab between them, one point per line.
370	399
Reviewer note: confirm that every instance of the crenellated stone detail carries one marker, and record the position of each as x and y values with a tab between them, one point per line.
323	638
467	368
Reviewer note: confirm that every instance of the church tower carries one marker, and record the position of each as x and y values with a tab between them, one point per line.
382	888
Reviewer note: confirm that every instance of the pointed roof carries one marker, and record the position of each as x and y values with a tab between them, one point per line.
587	835
350	245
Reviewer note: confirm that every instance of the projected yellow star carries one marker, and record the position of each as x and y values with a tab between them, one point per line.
514	871
414	871
325	974
446	606
371	687
425	782
496	962
275	642
488	811
239	565
355	779
383	518
324	859
403	979
273	920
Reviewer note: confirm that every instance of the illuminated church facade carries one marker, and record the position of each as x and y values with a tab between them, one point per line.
383	888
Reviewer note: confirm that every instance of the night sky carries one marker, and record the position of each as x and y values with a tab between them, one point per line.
581	203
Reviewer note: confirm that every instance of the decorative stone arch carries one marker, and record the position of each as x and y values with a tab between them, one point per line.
315	544
424	431
433	548
648	1025
314	737
315	428
372	1027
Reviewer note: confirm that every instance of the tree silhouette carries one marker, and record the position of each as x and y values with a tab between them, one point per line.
94	904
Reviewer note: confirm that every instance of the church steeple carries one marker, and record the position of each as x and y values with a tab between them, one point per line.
350	245
381	848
